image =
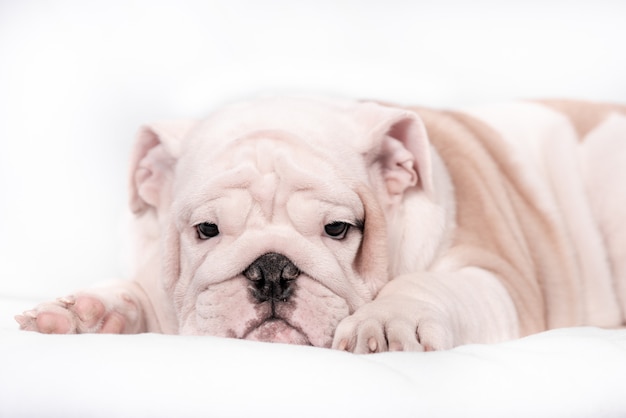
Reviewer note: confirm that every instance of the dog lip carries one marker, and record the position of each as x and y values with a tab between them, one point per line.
276	330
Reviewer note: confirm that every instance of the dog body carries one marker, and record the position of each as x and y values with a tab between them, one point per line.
368	227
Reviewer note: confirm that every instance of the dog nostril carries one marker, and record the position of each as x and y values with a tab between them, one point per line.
271	275
290	272
253	273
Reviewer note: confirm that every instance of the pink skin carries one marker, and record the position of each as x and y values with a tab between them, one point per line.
71	315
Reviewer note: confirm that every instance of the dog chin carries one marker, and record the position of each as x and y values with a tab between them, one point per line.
277	331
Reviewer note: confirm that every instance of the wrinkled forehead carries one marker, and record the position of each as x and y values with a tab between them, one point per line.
264	154
270	152
271	167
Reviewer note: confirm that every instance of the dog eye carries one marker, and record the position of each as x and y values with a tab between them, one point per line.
207	230
337	230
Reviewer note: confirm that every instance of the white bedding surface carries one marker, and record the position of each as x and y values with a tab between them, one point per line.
578	372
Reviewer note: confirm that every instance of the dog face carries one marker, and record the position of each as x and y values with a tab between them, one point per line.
267	245
272	214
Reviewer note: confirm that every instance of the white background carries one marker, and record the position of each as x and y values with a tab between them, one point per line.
77	78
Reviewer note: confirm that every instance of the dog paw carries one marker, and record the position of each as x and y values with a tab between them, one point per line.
83	313
393	325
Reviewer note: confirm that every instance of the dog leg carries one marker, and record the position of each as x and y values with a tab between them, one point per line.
431	311
115	309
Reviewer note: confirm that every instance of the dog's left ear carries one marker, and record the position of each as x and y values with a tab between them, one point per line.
399	149
157	148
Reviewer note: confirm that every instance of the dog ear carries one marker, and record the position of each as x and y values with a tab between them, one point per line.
157	147
371	261
399	149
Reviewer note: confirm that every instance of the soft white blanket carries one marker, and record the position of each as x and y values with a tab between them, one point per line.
578	372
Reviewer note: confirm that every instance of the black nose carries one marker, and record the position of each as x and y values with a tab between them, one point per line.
271	275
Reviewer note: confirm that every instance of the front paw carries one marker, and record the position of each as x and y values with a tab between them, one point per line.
394	325
83	313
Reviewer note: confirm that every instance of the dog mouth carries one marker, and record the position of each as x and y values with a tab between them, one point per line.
277	331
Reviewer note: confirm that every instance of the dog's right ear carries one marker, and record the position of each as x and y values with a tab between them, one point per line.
156	150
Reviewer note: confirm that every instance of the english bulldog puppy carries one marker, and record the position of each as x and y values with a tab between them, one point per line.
368	227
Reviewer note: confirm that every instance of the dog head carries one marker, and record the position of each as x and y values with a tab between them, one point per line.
273	214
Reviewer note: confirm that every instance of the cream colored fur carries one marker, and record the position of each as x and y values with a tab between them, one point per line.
466	227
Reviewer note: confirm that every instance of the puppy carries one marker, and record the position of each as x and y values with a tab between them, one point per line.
367	227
